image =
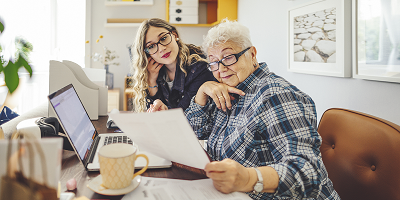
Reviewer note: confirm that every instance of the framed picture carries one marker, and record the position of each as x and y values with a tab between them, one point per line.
376	40
320	38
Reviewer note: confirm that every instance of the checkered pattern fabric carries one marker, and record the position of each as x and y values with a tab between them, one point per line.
274	125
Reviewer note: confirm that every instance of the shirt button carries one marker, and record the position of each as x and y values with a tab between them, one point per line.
148	100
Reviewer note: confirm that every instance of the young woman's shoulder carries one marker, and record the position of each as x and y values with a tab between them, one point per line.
193	49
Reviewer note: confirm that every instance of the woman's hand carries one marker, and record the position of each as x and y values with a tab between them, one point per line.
219	92
157	105
228	175
153	68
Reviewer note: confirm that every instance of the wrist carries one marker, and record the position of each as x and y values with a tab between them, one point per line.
153	86
152	83
249	187
259	186
199	99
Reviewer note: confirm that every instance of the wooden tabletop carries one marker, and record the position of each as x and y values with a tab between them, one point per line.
72	168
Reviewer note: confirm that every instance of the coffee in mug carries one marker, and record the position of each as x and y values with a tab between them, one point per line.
117	165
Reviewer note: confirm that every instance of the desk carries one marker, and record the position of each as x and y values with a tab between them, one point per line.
72	168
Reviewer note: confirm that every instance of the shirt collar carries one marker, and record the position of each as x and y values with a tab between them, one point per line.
179	81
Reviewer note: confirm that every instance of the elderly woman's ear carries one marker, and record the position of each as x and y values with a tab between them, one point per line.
253	52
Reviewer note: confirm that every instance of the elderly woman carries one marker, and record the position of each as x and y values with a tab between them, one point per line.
260	129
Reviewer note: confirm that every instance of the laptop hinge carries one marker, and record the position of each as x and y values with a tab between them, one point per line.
93	149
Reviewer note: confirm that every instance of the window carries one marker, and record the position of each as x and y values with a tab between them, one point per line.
56	29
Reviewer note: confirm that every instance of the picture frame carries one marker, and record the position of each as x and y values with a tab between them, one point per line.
319	38
376	40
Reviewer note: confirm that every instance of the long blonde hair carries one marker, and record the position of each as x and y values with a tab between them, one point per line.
139	60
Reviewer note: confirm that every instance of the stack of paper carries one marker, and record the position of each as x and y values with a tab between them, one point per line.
168	189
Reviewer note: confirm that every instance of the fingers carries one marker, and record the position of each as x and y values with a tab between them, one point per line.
157	105
220	93
151	108
226	175
153	66
236	91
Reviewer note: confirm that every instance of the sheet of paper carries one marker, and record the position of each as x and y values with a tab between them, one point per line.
174	189
166	134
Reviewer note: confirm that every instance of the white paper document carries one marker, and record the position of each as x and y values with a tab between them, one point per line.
174	189
166	134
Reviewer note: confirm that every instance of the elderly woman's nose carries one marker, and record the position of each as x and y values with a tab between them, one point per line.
222	68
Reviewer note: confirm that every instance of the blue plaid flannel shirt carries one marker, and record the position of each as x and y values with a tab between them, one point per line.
274	125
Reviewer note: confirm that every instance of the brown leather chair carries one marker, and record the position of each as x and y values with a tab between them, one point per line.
361	154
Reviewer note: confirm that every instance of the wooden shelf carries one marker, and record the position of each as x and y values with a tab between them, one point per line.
217	10
124	22
196	25
120	25
129	3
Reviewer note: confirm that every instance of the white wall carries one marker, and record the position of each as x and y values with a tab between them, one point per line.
116	39
268	24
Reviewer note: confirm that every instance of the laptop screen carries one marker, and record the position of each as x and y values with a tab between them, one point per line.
75	120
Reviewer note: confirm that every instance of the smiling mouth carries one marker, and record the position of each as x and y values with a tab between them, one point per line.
226	77
166	55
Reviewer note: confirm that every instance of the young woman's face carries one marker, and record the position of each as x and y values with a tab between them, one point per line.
165	54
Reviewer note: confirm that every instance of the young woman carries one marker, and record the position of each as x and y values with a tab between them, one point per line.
167	72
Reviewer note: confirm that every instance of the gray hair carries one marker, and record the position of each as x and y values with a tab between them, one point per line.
227	31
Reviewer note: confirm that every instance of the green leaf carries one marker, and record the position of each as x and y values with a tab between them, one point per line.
11	76
22	62
1	27
1	65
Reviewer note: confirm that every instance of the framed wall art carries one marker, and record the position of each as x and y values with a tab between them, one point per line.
376	40
320	38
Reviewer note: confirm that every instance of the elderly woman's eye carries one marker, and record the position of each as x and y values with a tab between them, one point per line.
230	57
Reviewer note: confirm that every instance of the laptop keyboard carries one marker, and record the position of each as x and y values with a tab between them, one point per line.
117	139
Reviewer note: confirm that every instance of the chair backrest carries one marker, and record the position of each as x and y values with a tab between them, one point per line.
361	154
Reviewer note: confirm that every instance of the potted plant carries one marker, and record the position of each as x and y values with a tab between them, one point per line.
106	60
10	66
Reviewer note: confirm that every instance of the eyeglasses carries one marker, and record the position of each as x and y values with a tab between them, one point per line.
226	61
164	40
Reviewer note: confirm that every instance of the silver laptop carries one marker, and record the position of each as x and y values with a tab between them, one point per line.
84	138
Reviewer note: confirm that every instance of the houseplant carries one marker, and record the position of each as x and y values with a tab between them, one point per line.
10	66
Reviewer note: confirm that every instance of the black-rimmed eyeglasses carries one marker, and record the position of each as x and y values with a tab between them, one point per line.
226	61
164	40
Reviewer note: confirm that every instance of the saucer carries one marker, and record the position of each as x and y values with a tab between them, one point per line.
95	185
